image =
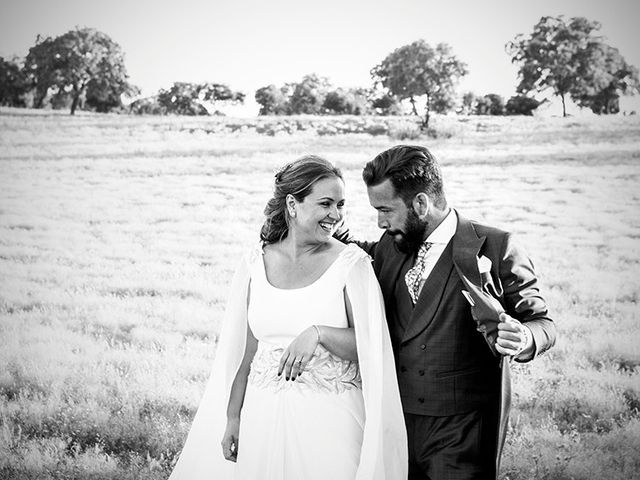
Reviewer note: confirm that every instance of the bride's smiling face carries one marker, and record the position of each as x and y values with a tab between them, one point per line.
319	213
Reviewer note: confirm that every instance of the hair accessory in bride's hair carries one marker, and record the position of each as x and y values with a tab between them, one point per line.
281	172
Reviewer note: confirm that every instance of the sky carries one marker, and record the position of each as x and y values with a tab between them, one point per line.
248	44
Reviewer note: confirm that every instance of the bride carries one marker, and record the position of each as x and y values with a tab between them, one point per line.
303	385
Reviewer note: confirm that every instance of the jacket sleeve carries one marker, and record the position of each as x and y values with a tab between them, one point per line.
522	297
384	446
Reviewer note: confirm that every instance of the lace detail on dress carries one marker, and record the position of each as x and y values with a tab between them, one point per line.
324	372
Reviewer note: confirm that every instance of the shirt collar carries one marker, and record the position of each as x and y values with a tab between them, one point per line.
446	230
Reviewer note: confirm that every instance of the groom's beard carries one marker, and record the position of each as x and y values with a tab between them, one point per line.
410	240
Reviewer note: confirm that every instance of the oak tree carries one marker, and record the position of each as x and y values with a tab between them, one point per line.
417	70
569	58
76	62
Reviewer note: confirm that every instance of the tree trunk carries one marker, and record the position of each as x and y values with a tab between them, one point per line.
414	111
39	97
427	115
564	107
76	99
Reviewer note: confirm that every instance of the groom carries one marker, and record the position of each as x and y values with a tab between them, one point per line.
455	391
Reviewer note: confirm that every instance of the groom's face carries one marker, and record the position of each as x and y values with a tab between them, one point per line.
399	220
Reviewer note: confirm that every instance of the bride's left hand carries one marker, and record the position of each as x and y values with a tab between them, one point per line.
298	353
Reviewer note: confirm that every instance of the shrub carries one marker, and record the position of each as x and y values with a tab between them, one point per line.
405	131
521	105
490	104
147	106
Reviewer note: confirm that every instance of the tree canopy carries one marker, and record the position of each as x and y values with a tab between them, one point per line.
309	94
313	95
490	104
522	105
351	101
607	77
82	62
184	98
272	100
569	58
12	83
418	69
84	68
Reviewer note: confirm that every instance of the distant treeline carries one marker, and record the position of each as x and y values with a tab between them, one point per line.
84	69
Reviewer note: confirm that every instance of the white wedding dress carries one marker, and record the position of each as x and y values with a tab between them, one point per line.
339	420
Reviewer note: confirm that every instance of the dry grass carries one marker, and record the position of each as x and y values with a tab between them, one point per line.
118	237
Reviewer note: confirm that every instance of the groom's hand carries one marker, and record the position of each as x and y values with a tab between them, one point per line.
514	338
342	232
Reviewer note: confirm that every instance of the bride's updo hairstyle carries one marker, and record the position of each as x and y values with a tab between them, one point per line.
296	178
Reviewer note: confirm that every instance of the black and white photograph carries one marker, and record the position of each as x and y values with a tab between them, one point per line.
339	240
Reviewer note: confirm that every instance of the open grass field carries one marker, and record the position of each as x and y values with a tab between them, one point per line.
119	236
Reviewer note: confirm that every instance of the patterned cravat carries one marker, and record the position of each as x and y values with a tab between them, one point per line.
413	278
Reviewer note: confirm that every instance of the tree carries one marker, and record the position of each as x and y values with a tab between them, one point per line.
521	105
272	100
42	69
608	76
347	102
468	103
181	99
184	98
147	106
490	104
219	92
13	84
566	57
386	104
75	62
308	95
418	69
103	96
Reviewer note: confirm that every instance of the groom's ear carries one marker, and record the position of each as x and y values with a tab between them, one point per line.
421	204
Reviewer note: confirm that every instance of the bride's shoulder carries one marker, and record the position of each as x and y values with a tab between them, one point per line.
336	247
351	253
273	251
253	253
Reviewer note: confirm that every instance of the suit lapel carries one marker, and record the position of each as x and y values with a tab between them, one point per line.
466	246
390	269
463	249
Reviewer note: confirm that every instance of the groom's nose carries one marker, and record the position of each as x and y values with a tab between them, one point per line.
382	221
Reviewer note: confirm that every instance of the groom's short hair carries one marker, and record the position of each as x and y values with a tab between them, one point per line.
411	170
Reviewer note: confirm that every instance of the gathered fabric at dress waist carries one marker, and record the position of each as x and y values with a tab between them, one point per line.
325	372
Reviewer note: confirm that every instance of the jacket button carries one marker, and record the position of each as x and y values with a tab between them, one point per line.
423	346
421	372
421	400
403	368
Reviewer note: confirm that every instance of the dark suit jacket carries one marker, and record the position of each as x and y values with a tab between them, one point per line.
444	365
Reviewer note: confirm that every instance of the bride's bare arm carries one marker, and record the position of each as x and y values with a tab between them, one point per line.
230	440
339	341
